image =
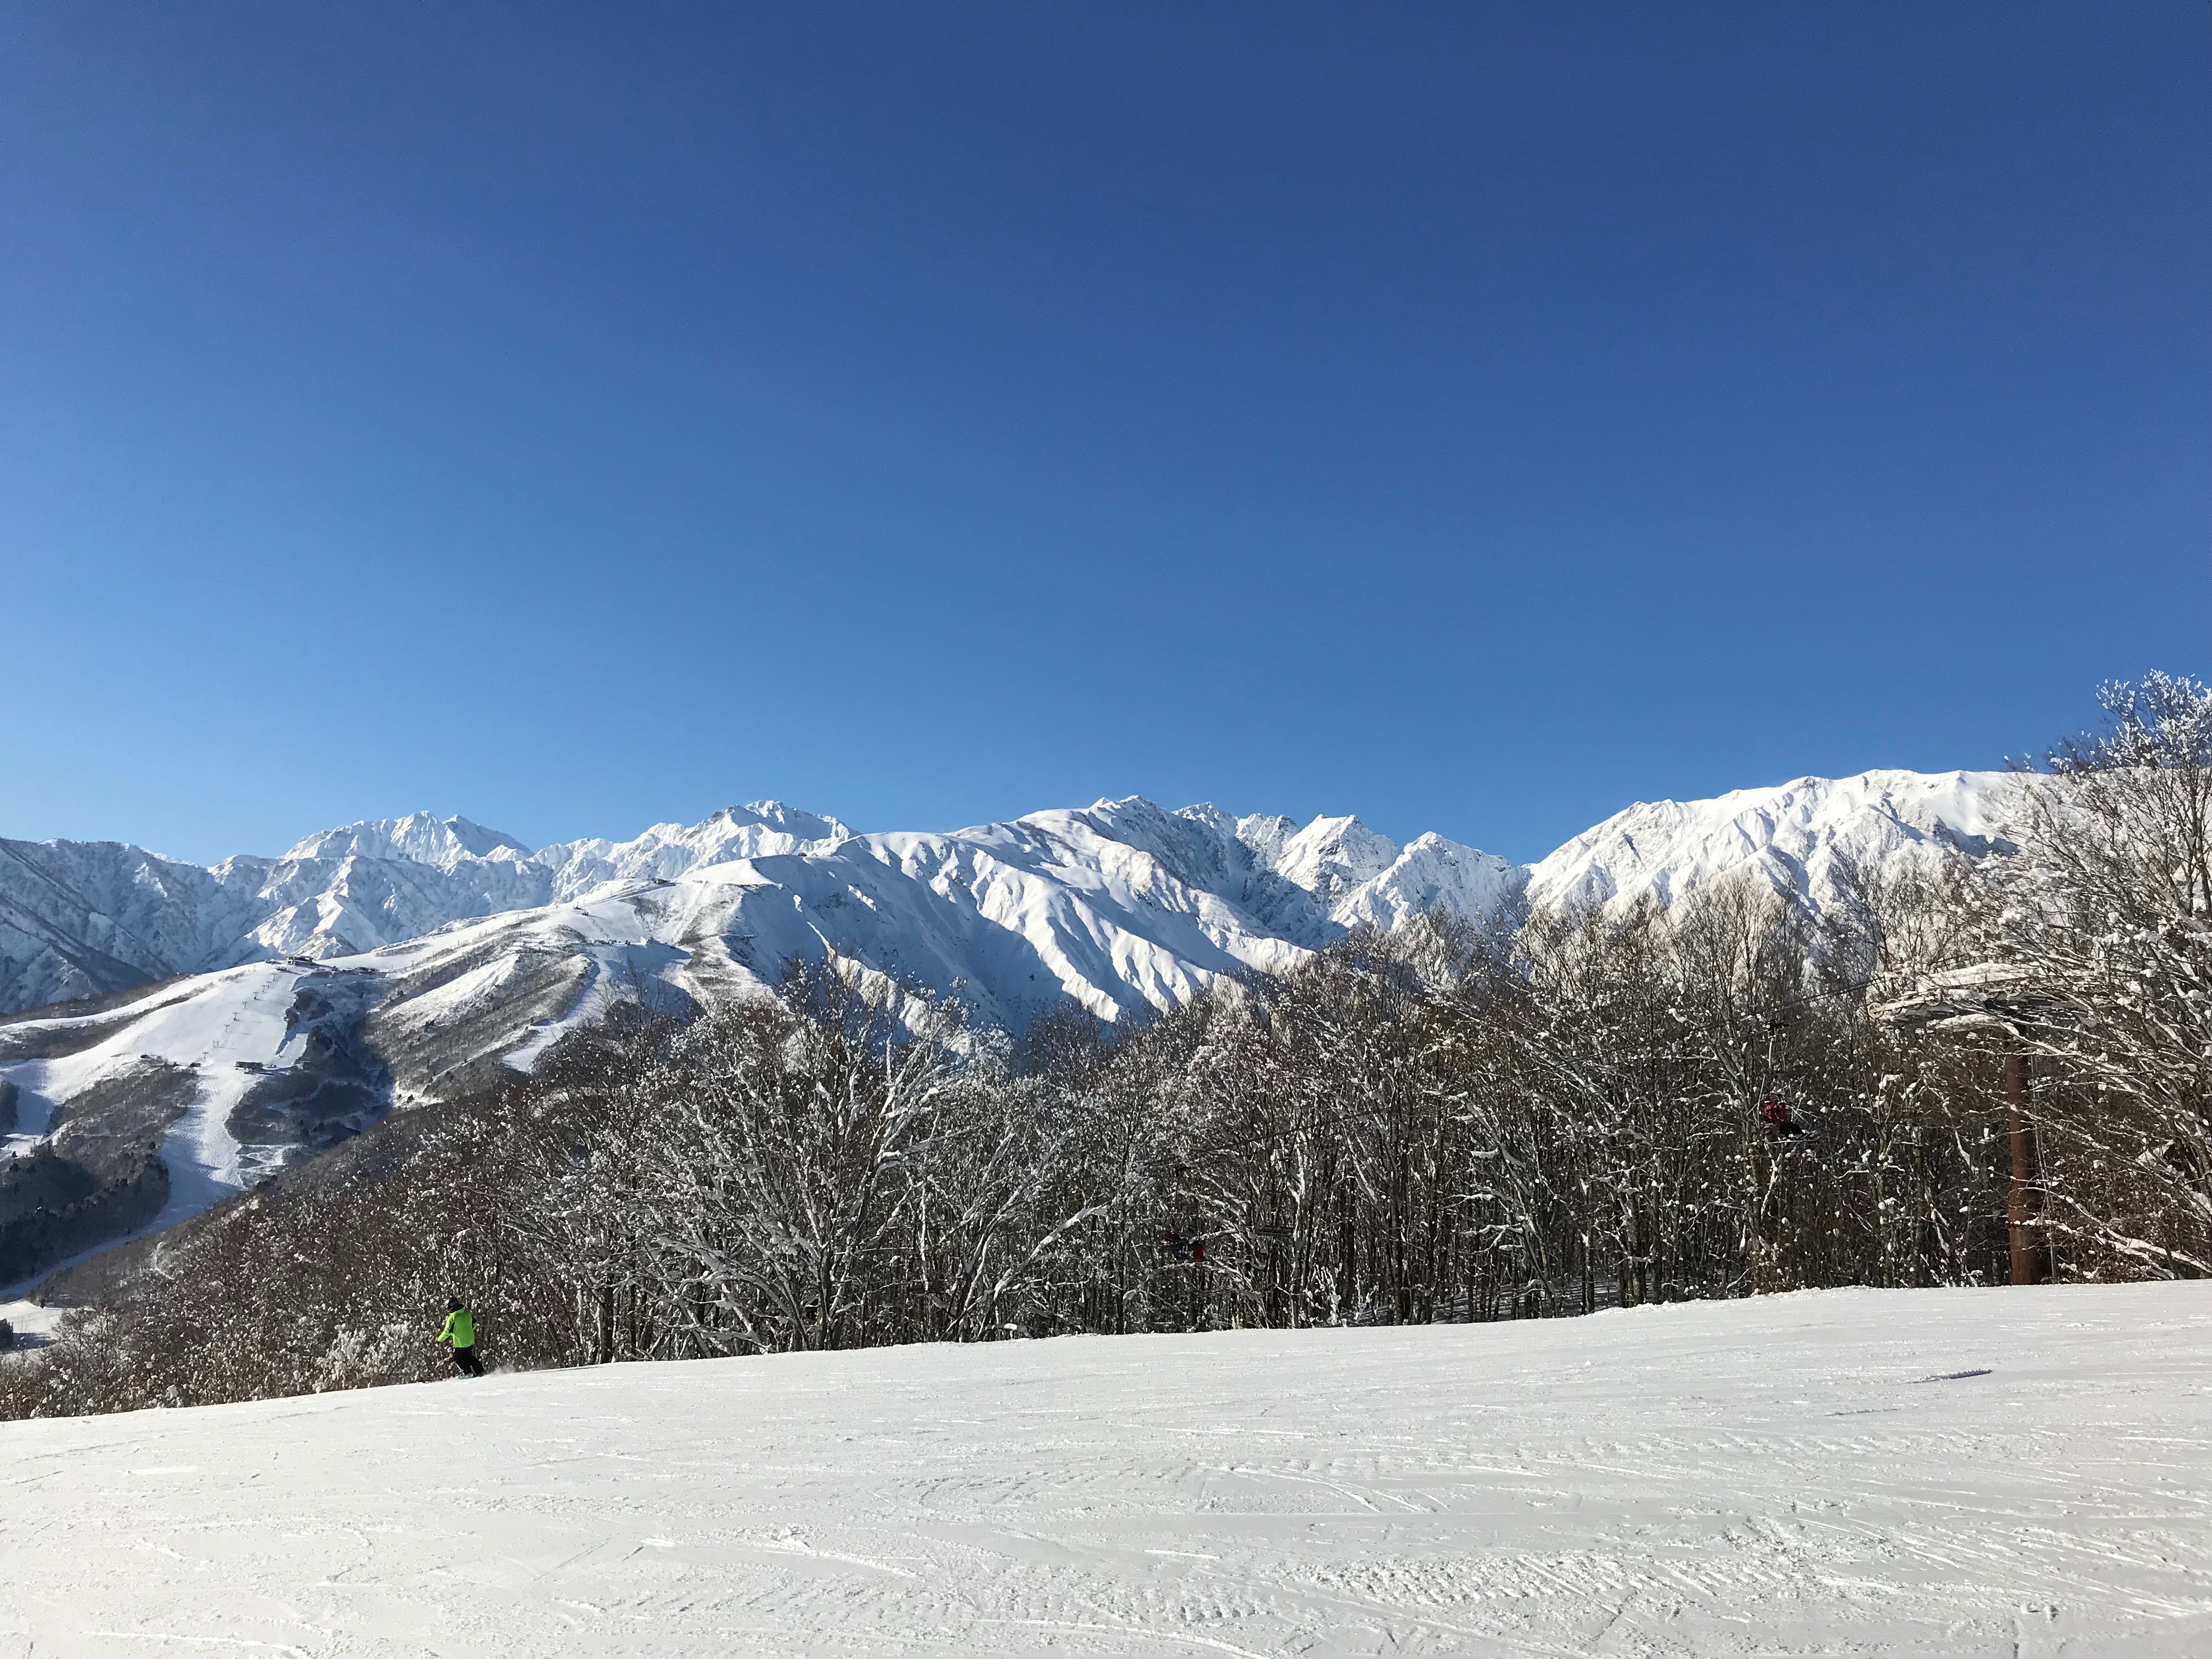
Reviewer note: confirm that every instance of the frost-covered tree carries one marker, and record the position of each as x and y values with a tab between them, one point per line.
2103	927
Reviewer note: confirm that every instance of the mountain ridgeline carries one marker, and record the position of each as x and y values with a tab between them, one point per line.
170	1033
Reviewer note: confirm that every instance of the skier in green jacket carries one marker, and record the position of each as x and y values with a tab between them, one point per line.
461	1330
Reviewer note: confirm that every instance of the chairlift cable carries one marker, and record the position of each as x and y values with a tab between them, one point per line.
1817	996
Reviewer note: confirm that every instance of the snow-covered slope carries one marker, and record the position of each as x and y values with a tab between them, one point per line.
1800	837
1910	1474
82	919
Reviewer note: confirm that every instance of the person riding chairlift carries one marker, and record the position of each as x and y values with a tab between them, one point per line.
1774	1113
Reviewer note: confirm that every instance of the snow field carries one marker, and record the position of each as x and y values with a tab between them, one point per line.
1856	1472
30	1321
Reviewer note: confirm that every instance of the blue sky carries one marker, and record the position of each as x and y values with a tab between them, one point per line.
1473	418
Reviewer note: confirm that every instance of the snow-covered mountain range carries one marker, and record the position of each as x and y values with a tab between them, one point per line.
82	919
227	1019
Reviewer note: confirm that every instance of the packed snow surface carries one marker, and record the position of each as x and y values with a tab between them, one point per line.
1923	1474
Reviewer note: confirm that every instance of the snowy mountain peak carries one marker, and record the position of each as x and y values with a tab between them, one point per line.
419	838
1803	838
1309	884
666	851
789	820
1262	835
1330	856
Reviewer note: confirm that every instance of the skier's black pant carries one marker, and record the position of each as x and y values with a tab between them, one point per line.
464	1361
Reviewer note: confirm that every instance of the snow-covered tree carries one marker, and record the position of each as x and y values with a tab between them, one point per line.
2103	929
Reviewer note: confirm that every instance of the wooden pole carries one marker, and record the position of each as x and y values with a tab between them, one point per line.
2031	1250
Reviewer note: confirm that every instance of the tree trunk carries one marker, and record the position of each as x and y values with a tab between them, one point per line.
2031	1249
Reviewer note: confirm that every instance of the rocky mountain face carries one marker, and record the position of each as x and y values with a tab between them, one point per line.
215	1024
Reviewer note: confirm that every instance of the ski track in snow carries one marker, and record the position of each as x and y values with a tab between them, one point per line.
2019	1474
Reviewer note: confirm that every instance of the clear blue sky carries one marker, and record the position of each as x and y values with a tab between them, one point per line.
1476	417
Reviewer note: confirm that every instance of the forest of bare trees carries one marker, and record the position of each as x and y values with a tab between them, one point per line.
1555	1116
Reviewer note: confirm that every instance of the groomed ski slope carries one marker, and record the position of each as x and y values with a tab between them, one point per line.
1798	1475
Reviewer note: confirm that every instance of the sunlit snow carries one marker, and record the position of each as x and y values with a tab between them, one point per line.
1929	1474
1802	838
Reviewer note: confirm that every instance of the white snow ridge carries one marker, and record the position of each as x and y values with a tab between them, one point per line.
1883	1474
1799	838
